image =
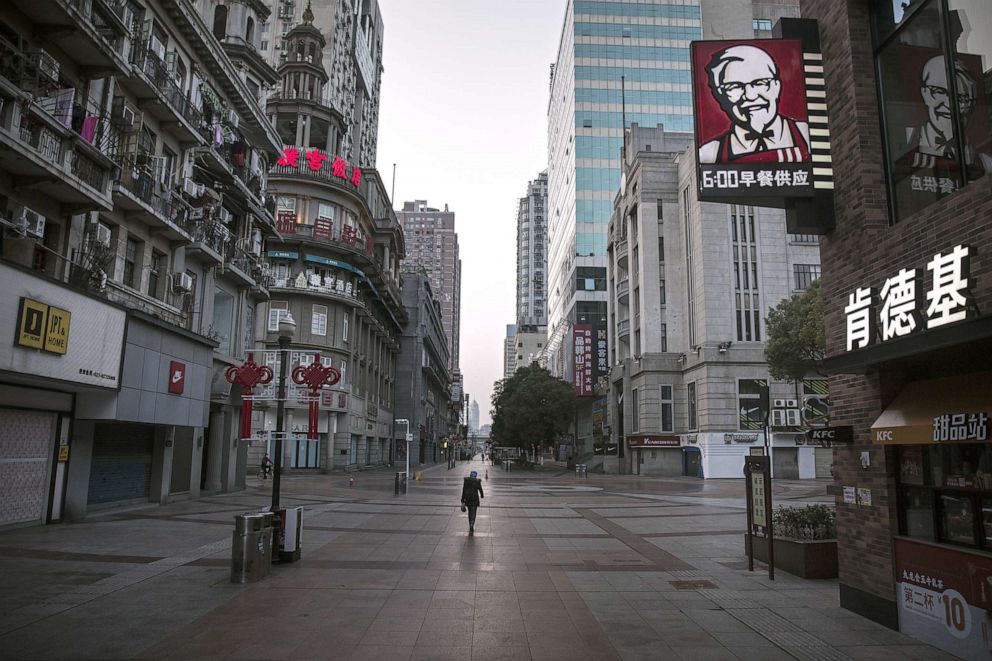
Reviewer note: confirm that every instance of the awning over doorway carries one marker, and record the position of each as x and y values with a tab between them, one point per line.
950	409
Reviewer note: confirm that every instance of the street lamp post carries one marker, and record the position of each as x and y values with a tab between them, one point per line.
287	329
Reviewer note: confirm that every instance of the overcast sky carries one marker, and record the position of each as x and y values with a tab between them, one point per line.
463	115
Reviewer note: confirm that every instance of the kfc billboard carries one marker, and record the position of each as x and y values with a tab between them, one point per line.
752	121
761	124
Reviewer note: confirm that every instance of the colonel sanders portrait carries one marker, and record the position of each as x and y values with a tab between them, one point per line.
933	144
745	82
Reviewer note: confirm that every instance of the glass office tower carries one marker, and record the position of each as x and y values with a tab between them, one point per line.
612	57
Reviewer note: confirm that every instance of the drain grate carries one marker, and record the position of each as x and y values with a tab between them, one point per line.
693	585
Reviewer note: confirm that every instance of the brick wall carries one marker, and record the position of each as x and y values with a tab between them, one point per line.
863	250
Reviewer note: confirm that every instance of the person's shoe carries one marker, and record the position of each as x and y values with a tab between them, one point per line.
471	530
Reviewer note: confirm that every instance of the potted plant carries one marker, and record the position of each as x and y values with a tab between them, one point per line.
805	539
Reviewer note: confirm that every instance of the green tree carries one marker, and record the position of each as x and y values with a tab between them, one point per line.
796	345
531	407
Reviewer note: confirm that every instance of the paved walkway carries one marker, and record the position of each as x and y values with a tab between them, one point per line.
606	567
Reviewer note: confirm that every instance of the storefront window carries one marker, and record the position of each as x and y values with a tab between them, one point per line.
934	107
957	520
945	493
918	512
753	403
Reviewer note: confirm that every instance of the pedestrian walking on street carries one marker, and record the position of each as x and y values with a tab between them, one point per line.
471	497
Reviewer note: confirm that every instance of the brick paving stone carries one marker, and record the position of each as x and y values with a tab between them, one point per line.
609	568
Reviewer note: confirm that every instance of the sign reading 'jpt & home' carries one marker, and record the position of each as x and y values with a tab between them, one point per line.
41	326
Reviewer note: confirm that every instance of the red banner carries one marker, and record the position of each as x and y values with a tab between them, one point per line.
286	221
323	228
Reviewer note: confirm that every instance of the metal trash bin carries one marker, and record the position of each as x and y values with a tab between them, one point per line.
251	547
582	469
401	483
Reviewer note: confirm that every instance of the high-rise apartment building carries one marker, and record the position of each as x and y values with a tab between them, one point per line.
134	154
351	60
473	416
432	244
509	351
532	250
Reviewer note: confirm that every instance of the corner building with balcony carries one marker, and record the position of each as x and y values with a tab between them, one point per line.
335	268
908	293
133	156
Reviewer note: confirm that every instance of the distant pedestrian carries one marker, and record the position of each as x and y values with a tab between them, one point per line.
471	497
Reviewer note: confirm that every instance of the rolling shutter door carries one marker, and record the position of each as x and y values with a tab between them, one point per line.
26	448
122	463
824	462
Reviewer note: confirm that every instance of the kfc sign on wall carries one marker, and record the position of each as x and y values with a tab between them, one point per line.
761	120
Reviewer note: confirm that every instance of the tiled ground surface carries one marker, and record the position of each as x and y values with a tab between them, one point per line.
559	568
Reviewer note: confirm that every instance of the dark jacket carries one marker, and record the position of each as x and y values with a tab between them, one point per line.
472	491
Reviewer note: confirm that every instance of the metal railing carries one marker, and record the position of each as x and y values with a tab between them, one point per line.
149	63
623	327
42	139
87	170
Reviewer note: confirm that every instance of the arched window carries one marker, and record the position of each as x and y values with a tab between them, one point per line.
250	31
311	55
220	21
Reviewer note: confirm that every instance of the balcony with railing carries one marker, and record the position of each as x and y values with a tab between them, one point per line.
39	148
90	30
623	289
138	189
341	238
154	83
229	163
623	328
620	249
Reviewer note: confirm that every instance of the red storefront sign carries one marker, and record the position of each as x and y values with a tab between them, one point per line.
348	235
646	441
323	228
286	221
584	362
314	160
177	377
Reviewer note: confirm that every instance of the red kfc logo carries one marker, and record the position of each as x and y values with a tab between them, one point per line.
177	377
750	99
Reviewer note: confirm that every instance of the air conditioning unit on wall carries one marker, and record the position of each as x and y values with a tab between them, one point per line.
183	282
30	223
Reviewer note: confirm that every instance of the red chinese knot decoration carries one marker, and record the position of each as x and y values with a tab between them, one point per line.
314	376
248	375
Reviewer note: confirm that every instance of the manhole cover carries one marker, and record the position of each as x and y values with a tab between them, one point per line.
693	585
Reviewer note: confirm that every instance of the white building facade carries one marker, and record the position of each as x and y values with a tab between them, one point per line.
691	284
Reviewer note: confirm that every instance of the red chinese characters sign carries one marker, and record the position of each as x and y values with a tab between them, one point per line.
315	160
584	362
